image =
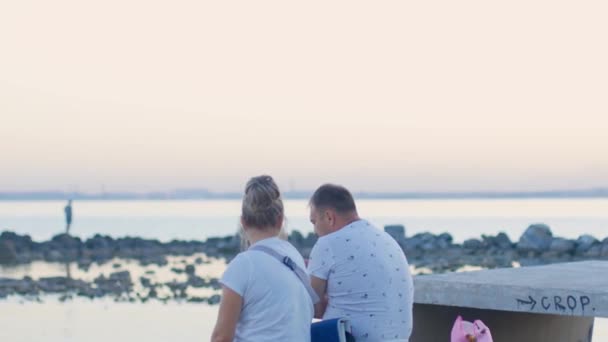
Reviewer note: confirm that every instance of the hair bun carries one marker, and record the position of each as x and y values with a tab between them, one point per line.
262	203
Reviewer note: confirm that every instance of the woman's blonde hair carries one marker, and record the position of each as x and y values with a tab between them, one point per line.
262	204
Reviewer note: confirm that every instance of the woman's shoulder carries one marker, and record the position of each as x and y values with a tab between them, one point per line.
293	253
242	259
284	247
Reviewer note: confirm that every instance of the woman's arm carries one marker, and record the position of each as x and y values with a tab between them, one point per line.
228	316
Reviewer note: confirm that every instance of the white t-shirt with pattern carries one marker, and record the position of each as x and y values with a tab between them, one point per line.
368	281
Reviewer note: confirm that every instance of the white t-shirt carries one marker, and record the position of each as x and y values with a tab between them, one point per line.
276	305
368	281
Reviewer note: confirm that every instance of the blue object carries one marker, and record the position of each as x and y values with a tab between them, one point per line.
330	330
289	263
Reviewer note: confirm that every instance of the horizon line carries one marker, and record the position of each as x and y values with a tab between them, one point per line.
192	194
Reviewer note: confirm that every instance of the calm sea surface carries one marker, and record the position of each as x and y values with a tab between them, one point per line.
166	220
102	320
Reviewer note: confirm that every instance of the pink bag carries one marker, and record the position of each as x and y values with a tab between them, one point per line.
464	331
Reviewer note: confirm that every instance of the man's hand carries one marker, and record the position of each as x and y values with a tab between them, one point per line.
320	287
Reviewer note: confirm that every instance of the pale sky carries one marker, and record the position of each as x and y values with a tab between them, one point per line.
379	96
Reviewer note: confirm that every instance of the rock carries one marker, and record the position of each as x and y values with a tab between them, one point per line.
197	300
397	231
101	249
177	270
8	255
21	243
84	264
117	283
444	240
196	282
296	238
225	245
159	260
215	299
25	286
500	241
65	297
178	289
584	243
472	244
124	276
190	269
91	292
594	252
560	246
25	257
99	242
537	238
54	256
310	240
66	241
215	284
145	282
604	251
53	284
422	241
198	261
100	256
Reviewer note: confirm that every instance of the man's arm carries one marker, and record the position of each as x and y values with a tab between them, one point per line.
320	287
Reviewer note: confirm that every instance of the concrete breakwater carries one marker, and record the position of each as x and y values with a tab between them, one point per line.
425	251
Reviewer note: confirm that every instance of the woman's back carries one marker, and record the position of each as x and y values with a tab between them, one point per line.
276	305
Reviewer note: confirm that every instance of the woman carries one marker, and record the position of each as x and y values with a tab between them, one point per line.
262	299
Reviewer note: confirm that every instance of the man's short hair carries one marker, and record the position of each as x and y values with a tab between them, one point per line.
335	197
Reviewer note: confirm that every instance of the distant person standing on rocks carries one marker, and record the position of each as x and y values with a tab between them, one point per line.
68	216
359	269
265	294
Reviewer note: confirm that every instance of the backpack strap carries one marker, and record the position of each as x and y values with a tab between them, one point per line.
298	271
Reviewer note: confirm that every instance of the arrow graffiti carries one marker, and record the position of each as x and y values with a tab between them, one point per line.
531	302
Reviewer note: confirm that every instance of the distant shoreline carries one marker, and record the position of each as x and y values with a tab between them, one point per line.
207	195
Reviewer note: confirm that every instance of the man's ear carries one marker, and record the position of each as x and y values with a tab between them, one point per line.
280	221
330	216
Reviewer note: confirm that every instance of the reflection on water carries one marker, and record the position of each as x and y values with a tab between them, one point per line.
205	267
81	319
209	267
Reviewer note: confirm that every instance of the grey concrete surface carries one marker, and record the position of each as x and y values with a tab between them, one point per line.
571	289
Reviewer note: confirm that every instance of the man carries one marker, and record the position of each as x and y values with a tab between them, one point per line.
360	270
68	216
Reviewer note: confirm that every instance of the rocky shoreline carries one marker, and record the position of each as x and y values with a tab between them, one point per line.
536	246
425	251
